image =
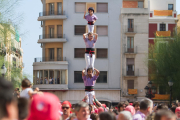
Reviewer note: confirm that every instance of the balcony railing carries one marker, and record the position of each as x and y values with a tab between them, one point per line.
47	59
130	50
130	29
135	72
48	13
163	12
47	36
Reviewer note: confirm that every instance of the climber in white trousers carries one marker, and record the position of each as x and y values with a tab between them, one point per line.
91	18
90	41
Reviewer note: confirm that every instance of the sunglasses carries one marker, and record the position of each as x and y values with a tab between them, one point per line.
65	107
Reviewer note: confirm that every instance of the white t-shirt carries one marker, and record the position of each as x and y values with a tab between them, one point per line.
24	93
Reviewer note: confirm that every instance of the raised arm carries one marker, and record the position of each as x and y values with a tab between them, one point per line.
83	71
97	72
84	14
96	35
84	35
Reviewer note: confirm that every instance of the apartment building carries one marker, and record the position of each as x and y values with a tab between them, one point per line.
11	48
63	49
134	49
162	23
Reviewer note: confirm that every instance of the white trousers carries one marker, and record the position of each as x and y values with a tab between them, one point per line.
90	28
89	61
90	98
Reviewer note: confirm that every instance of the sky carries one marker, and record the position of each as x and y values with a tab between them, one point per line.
31	49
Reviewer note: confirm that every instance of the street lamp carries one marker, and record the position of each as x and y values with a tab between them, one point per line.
170	85
3	70
150	90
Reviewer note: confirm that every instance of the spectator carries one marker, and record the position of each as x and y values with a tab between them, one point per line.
72	116
8	104
106	116
130	109
126	103
164	115
46	81
45	107
41	81
94	116
160	107
177	112
173	109
23	108
66	109
100	110
115	112
146	106
82	111
125	115
121	106
58	81
50	80
26	92
136	106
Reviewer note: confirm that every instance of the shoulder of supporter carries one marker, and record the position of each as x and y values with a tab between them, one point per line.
137	117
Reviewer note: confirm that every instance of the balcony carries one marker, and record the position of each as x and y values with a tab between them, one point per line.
161	97
132	91
130	51
135	11
163	33
47	59
51	79
17	51
51	15
128	74
50	63
130	31
163	12
49	38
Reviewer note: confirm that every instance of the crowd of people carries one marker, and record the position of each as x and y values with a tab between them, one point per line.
36	105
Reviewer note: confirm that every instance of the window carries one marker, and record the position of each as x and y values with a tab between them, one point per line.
59	8
79	52
80	7
51	54
170	6
162	27
102	30
102	53
102	77
102	7
59	31
140	4
130	25
78	77
51	31
130	44
130	84
51	8
80	29
59	54
130	66
14	62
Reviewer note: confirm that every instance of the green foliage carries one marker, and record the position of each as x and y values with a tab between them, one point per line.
164	63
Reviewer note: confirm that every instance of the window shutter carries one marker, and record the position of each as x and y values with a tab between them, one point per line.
130	61
102	53
80	7
102	30
79	52
130	84
102	7
80	29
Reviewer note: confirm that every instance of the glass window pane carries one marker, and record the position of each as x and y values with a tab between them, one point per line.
41	77
78	77
170	6
128	42
37	77
102	77
132	42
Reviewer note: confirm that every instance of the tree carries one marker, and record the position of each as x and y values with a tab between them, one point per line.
164	63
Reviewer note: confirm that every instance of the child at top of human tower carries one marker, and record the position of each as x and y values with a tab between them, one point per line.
91	18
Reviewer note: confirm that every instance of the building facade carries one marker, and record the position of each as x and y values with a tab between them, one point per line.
178	23
63	49
11	49
134	49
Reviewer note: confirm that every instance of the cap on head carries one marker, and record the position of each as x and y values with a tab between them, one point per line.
44	107
177	109
67	102
130	109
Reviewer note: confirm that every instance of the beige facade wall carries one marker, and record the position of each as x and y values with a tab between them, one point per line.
75	96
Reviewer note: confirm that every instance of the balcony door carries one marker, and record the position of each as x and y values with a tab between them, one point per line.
51	8
59	31
59	54
130	66
59	8
51	54
130	44
51	31
130	25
